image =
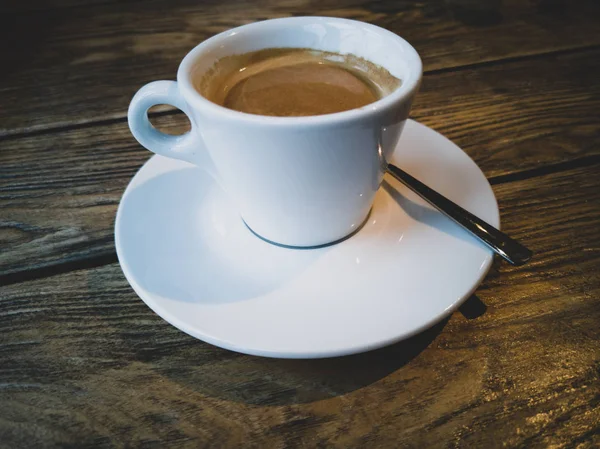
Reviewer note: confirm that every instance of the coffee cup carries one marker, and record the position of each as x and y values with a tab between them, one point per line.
296	181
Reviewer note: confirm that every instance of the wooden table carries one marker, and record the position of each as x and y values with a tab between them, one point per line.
84	363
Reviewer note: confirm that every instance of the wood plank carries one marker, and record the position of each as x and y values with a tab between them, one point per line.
77	65
517	116
59	192
86	363
18	6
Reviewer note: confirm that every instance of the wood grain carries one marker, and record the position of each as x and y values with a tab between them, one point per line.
86	364
59	192
78	65
19	7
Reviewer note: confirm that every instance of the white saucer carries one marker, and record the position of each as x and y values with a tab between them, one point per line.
189	256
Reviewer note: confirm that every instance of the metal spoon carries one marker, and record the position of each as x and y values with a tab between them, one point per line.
508	248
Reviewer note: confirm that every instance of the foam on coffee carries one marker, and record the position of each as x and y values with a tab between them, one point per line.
294	82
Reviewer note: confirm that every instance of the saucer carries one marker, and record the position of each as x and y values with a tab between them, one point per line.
188	254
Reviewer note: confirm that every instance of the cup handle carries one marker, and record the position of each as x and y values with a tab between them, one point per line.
188	147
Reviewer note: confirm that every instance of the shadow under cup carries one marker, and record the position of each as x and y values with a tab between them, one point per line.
302	181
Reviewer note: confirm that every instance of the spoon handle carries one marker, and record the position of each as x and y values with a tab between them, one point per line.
508	248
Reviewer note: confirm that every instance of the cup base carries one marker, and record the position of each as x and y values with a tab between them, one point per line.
323	245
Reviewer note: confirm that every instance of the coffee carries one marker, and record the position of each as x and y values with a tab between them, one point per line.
294	82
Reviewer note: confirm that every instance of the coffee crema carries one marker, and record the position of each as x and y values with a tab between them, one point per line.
289	82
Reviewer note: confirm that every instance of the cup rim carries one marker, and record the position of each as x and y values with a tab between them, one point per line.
197	101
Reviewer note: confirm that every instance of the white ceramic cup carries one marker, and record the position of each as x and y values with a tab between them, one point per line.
297	181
